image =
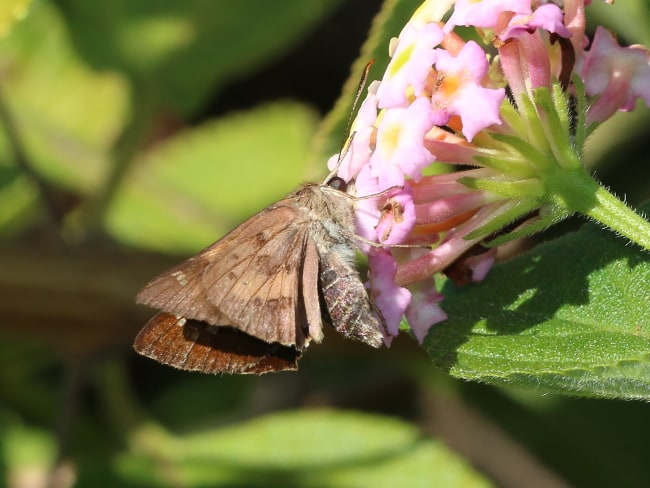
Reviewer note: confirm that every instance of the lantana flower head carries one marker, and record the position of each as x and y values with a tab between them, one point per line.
507	114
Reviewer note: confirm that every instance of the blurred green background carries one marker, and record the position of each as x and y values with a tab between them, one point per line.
135	133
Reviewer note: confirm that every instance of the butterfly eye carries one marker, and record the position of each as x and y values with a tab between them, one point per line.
338	183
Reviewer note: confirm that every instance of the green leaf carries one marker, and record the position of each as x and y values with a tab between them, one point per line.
18	202
23	447
630	19
12	11
67	115
301	448
201	183
571	316
184	50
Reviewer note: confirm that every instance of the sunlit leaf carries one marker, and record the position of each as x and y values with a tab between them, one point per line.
188	191
12	11
67	115
185	50
26	452
302	448
570	316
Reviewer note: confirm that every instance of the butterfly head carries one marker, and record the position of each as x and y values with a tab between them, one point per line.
337	183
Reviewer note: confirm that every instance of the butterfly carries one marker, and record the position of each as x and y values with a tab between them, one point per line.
255	299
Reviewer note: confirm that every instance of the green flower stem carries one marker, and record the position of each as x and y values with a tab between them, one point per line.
616	215
576	191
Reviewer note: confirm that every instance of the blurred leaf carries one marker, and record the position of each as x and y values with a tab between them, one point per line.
571	316
300	448
18	199
185	50
188	191
588	442
24	380
26	452
67	115
210	402
12	11
616	135
24	446
629	19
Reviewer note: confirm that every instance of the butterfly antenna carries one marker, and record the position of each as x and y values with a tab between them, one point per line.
345	143
347	137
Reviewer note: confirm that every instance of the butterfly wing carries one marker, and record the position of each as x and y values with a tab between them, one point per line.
349	308
251	280
180	291
197	346
256	280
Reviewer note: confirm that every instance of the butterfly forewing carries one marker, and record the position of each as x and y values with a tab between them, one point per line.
179	291
249	280
255	279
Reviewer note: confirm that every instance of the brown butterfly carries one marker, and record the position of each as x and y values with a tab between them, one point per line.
253	301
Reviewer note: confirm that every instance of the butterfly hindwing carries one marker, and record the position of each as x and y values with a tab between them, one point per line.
196	346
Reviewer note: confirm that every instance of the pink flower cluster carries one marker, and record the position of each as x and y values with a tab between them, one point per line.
482	104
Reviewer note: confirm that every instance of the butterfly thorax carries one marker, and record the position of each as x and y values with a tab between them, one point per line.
323	203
